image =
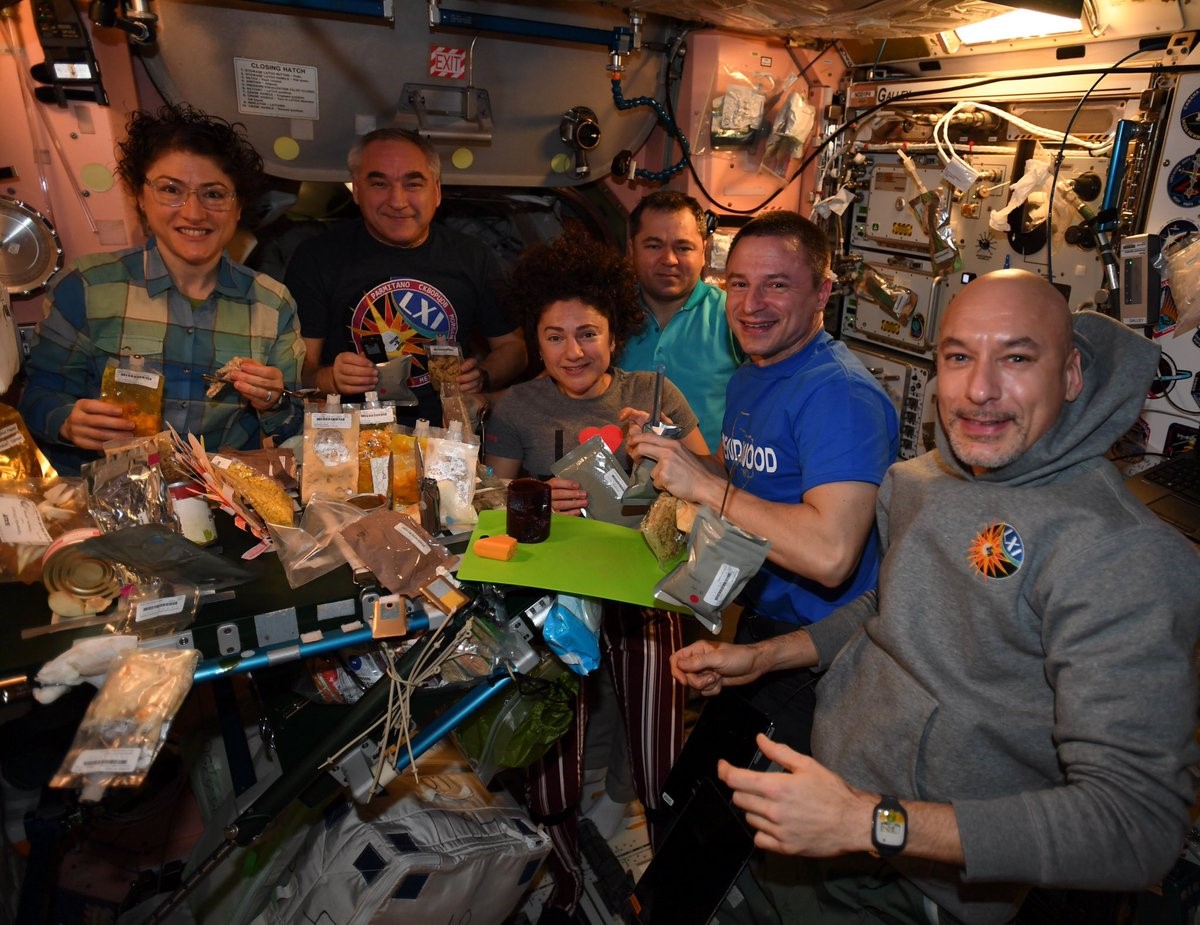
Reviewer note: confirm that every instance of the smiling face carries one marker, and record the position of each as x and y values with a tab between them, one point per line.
1006	366
577	348
189	236
773	305
668	256
397	192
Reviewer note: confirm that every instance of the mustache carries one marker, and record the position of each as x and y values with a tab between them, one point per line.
983	417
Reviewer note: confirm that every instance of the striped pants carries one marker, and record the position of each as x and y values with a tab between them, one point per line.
636	644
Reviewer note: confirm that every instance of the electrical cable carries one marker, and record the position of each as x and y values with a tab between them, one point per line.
1112	69
918	94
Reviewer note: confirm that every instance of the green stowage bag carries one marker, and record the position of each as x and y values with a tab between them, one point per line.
518	729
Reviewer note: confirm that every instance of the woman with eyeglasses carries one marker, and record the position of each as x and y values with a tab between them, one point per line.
179	303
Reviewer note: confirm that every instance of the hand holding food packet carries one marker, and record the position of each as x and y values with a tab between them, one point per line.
137	389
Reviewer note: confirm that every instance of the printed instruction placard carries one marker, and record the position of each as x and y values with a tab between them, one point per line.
273	88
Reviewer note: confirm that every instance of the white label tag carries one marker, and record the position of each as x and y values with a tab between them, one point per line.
616	482
377	416
137	377
221	462
379	474
106	761
718	591
10	436
20	522
148	610
960	175
326	421
413	537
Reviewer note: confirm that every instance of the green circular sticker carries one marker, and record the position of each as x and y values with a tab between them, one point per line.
462	158
560	163
96	177
286	149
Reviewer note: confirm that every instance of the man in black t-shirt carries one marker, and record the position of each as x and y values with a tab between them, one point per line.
396	279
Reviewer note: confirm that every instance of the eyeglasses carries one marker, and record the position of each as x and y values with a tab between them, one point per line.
173	194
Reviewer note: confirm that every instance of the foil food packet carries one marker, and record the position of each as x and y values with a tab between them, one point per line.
126	489
401	555
599	473
20	457
721	558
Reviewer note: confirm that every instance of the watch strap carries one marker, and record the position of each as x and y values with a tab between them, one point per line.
889	827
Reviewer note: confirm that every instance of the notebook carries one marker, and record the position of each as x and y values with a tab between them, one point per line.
1172	491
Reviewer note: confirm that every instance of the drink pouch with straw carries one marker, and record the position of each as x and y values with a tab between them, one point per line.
721	559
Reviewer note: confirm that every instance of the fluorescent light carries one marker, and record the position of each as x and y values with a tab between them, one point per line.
1018	24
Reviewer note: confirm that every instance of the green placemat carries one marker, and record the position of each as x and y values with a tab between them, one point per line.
582	557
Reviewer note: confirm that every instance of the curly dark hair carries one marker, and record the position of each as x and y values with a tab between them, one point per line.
575	267
148	136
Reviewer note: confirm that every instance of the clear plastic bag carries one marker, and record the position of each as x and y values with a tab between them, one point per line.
127	722
312	549
33	514
1182	260
127	489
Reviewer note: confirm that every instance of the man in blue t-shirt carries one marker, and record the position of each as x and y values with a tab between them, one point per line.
685	328
807	436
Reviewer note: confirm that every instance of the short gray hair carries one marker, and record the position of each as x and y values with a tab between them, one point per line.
354	158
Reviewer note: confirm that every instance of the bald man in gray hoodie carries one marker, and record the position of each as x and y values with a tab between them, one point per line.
1016	704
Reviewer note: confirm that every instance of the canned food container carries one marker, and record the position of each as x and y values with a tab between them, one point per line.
194	512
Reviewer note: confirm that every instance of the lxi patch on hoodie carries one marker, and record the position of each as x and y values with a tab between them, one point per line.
997	551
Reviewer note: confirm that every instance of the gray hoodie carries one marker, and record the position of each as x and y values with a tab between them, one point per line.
1027	658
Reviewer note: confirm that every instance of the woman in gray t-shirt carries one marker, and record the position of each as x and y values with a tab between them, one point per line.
577	303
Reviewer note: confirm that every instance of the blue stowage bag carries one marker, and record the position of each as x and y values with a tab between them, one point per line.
572	631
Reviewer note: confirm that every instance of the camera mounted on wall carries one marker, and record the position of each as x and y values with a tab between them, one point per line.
581	130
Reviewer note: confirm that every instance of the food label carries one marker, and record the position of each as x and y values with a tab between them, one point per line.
106	761
615	481
377	416
10	436
137	377
413	537
220	462
148	610
324	420
718	591
20	522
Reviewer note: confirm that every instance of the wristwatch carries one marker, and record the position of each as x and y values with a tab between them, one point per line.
889	827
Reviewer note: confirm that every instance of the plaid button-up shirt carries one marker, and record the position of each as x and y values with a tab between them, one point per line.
123	304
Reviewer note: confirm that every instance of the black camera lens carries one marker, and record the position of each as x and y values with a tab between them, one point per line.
587	136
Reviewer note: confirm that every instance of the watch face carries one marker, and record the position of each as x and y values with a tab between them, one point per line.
889	827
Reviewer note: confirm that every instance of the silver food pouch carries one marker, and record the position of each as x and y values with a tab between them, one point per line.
600	474
721	559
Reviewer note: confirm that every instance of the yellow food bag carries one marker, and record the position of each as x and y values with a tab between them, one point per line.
405	487
20	457
376	424
137	390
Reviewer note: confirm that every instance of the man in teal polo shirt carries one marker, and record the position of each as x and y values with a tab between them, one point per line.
685	328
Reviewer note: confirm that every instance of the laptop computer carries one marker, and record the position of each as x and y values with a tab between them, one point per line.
1171	490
